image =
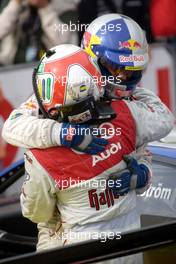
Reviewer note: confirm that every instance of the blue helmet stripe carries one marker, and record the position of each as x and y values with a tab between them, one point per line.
112	34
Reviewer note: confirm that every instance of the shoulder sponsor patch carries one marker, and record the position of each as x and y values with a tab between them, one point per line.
16	115
29	105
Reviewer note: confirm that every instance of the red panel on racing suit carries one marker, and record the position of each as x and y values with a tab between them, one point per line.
62	163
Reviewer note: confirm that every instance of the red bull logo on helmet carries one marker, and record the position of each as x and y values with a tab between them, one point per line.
130	44
131	58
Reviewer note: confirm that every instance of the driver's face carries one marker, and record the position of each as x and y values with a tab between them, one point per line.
119	73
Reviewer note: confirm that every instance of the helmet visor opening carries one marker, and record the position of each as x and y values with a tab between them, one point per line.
119	75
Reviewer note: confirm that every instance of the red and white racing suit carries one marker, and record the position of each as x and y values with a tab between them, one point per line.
25	129
87	207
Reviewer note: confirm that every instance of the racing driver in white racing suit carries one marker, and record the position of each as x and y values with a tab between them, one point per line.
24	128
73	182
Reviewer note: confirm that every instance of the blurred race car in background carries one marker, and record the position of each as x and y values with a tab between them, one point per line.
158	203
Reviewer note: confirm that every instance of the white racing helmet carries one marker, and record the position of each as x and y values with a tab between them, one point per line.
67	84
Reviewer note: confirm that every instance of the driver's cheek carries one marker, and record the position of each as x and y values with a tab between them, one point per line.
120	75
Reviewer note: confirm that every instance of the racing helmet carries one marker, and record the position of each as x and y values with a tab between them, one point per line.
67	84
119	45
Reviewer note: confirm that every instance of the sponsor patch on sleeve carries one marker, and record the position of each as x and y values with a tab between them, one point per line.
14	116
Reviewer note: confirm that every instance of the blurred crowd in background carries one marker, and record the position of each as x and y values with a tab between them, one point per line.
29	27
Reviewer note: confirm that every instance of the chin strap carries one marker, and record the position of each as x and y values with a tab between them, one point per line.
104	110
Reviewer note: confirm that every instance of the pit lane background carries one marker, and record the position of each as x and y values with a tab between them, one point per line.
16	87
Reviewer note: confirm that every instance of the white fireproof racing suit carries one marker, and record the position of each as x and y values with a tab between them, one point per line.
41	194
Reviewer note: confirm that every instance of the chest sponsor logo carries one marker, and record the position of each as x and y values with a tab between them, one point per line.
113	149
